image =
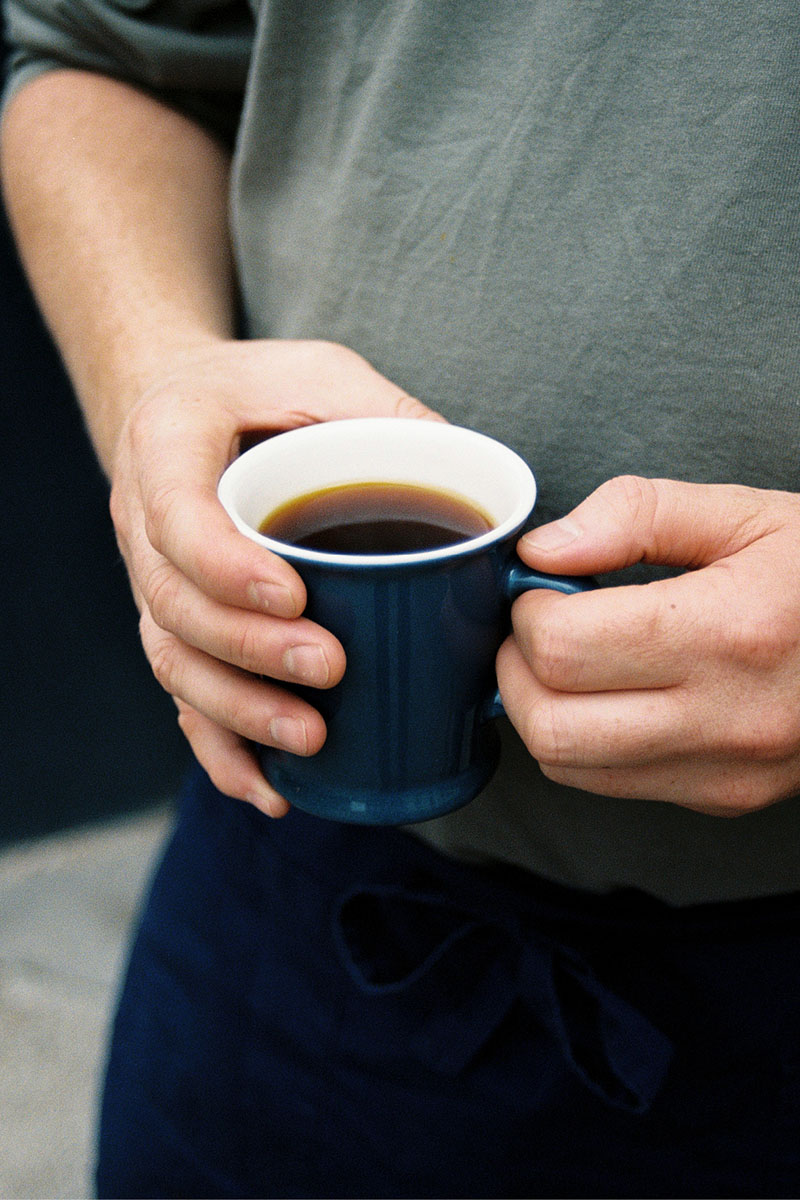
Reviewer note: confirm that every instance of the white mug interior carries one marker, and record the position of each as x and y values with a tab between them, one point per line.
378	449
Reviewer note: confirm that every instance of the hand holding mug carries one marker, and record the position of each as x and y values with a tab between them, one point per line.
221	616
684	690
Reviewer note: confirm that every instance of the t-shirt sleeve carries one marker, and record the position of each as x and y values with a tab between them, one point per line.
191	54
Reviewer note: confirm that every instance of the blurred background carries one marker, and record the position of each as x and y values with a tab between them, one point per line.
90	758
87	732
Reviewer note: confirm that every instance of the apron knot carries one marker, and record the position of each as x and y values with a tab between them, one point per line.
446	977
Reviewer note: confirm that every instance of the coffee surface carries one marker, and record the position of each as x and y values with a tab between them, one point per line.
375	518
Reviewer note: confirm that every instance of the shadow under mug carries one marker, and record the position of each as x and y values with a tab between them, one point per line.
410	726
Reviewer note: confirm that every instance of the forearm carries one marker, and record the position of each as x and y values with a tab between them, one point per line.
119	207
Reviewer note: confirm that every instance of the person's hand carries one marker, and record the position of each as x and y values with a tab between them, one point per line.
217	610
685	689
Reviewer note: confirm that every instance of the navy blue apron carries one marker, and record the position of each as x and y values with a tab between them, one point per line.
323	1010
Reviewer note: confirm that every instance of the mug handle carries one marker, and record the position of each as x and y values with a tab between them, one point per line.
517	578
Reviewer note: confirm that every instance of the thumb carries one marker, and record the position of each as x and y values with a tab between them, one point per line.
630	520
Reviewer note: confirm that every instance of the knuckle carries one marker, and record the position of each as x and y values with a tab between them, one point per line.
545	736
635	501
554	658
162	591
409	406
632	492
162	656
330	357
758	644
245	647
749	787
743	639
736	795
772	737
188	721
159	512
242	717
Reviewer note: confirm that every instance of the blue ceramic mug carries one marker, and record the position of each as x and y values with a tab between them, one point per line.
410	728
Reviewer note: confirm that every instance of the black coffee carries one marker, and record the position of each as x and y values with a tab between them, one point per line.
375	518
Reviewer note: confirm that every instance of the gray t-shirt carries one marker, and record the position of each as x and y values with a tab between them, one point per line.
574	225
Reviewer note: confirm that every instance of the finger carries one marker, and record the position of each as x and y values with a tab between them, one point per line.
179	465
180	606
611	639
606	729
229	762
630	520
292	650
250	707
187	525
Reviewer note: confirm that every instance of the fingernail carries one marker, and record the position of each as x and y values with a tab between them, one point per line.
554	536
289	733
273	598
307	664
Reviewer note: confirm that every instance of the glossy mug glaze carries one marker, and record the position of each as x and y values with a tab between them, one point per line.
410	726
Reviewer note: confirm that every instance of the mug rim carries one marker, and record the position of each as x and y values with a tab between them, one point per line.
300	554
